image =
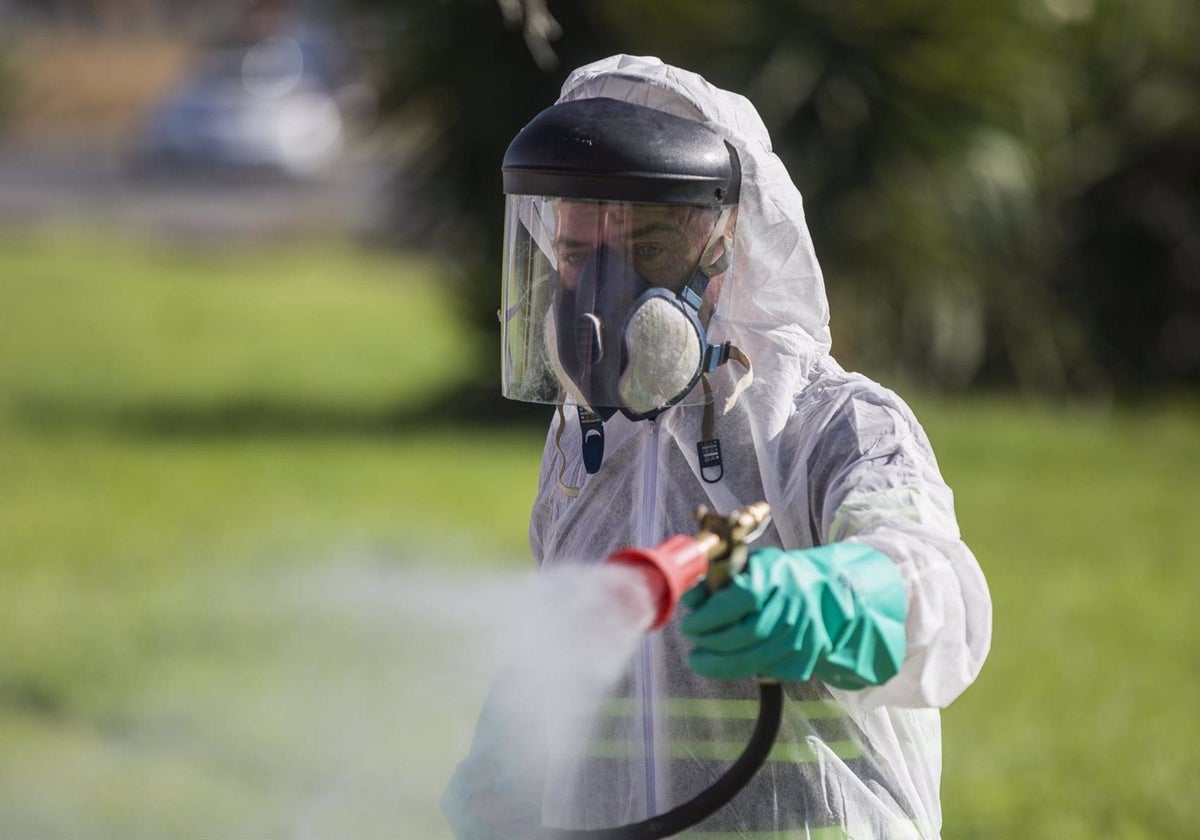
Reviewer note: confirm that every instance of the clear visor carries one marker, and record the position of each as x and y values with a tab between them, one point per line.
605	304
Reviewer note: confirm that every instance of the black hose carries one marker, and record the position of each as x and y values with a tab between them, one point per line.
708	801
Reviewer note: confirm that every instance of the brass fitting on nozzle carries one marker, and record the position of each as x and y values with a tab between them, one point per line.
718	549
724	539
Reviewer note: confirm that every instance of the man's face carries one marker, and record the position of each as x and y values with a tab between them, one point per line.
662	243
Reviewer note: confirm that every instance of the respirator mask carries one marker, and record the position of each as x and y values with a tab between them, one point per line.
625	327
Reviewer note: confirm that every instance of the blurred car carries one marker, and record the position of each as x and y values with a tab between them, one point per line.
267	107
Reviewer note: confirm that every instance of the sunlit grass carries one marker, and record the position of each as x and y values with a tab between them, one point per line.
93	325
1083	722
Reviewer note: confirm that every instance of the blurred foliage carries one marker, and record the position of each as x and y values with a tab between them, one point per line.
7	82
999	192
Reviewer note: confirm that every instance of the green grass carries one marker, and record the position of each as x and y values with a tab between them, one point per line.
207	476
94	325
1083	723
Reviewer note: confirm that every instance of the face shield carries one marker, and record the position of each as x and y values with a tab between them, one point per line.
618	229
606	303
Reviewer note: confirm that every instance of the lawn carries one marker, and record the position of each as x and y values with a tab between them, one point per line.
214	473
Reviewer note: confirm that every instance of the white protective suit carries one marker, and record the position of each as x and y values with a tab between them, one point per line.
837	457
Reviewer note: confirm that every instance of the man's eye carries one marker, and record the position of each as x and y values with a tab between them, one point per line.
575	260
646	251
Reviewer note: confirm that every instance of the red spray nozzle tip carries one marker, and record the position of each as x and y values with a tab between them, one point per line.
670	569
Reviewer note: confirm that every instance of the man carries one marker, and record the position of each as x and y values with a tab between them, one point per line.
661	288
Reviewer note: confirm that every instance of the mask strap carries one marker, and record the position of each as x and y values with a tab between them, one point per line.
591	436
568	491
591	433
708	266
746	380
708	449
693	292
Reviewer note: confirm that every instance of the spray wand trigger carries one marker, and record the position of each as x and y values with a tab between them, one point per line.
728	536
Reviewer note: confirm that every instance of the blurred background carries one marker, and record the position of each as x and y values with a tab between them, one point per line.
249	261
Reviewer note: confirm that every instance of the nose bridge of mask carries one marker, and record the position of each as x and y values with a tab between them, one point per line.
589	339
605	292
589	320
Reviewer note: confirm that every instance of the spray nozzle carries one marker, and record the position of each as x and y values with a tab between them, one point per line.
718	550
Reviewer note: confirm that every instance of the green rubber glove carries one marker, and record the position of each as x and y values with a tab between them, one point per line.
835	613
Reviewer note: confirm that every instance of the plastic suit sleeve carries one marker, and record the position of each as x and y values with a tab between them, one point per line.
834	612
878	484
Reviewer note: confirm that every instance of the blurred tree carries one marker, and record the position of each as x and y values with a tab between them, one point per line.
1132	268
1128	174
945	150
121	16
7	83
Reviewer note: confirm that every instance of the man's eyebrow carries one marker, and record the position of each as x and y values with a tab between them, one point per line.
653	227
563	242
